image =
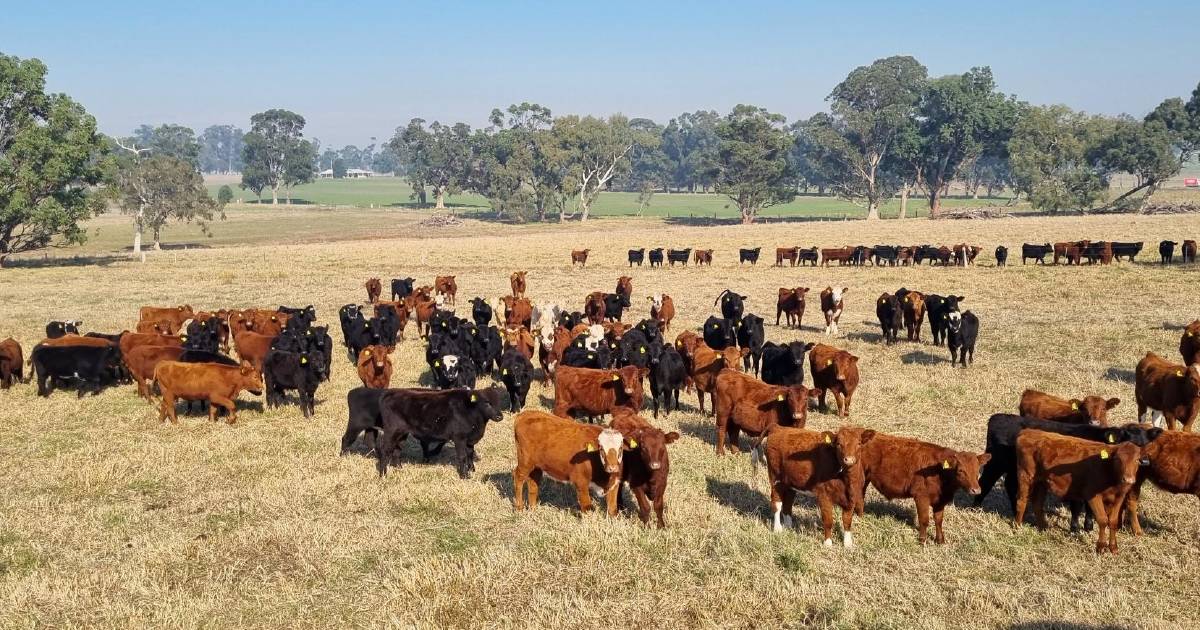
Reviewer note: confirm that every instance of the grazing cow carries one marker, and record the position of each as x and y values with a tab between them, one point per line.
447	287
939	310
912	304
283	371
1002	432
705	364
637	256
481	312
832	306
595	306
582	455
748	255
656	257
1189	251
579	256
1174	466
1189	343
900	467
891	316
214	383
374	367
517	311
668	375
836	371
519	339
458	415
961	336
594	392
662	310
56	329
402	288
719	333
89	365
516	372
750	335
826	464
704	257
646	470
1001	256
1128	250
516	281
789	254
624	287
374	288
679	256
742	403
810	255
1166	251
142	361
732	304
791	304
1169	388
1075	470
783	364
841	254
1091	410
12	361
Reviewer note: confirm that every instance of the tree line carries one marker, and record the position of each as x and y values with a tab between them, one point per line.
890	131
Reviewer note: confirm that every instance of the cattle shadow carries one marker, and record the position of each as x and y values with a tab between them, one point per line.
1173	326
865	336
905	512
921	357
738	496
96	260
1121	375
704	431
557	494
1054	624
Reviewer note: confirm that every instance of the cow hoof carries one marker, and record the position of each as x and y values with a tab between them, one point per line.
848	540
787	521
828	543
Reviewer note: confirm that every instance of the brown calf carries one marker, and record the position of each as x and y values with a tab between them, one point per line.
662	310
11	363
789	254
423	307
593	307
129	341
823	463
446	286
791	304
836	371
1189	343
253	347
1174	466
832	305
625	286
218	384
841	255
1074	469
648	465
517	281
142	361
520	338
176	314
913	308
744	403
1189	251
1170	388
163	327
927	473
374	288
1042	406
704	256
517	311
374	367
596	392
579	454
550	356
579	256
705	364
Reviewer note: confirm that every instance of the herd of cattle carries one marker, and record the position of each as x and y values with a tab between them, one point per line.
963	254
598	366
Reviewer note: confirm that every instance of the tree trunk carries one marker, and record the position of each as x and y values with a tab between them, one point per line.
935	201
872	210
748	216
903	202
157	240
275	195
138	228
441	200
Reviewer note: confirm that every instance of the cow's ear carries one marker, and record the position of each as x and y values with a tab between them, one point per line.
866	436
1112	402
960	298
809	346
671	437
984	458
1153	433
845	290
947	459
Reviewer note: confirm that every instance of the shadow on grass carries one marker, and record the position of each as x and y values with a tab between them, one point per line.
704	431
866	336
100	260
1054	624
1120	375
553	493
1173	326
738	496
167	247
921	357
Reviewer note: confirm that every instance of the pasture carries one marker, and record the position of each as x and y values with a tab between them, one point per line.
110	519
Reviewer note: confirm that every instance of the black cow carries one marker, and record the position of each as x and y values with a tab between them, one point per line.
633	349
860	256
578	354
668	373
115	338
649	327
961	334
402	288
571	320
516	372
487	348
1166	250
300	371
444	321
719	333
1128	250
347	315
938	310
887	254
679	255
452	370
202	335
481	312
891	317
314	341
748	255
365	416
1036	252
56	329
459	416
656	257
930	253
615	305
811	255
86	364
388	321
1001	256
1094	251
750	335
783	364
637	256
304	316
732	304
361	333
1002	432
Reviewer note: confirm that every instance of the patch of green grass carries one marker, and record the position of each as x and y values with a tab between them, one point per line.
793	562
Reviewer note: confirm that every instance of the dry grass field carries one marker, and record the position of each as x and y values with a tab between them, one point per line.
110	519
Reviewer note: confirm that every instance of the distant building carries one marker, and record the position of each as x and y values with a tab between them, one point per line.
351	173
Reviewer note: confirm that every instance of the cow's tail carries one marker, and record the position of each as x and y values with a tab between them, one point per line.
719	295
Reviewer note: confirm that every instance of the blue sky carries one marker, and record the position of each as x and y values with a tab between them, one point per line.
360	69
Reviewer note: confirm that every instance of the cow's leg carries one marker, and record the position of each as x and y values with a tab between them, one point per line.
463	456
583	495
1096	503
215	402
700	396
1038	495
733	431
643	502
939	511
349	437
923	507
988	477
1022	499
826	506
1131	506
848	526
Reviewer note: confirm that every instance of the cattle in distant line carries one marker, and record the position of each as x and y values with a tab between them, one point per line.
1189	251
832	305
749	255
704	257
679	256
841	254
1001	256
1128	250
1166	251
637	256
374	288
579	256
656	257
810	255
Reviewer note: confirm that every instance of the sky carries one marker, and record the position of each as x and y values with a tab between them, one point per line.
357	70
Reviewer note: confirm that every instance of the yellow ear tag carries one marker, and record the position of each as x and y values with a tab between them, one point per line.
303	360
437	364
591	356
612	345
881	300
779	398
1178	372
1112	439
310	333
591	448
474	398
616	377
1104	453
946	464
632	443
642	350
828	361
828	440
1074	406
907	299
367	325
679	344
1189	334
716	325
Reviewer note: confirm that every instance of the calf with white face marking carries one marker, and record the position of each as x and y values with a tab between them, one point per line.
832	305
962	333
586	456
